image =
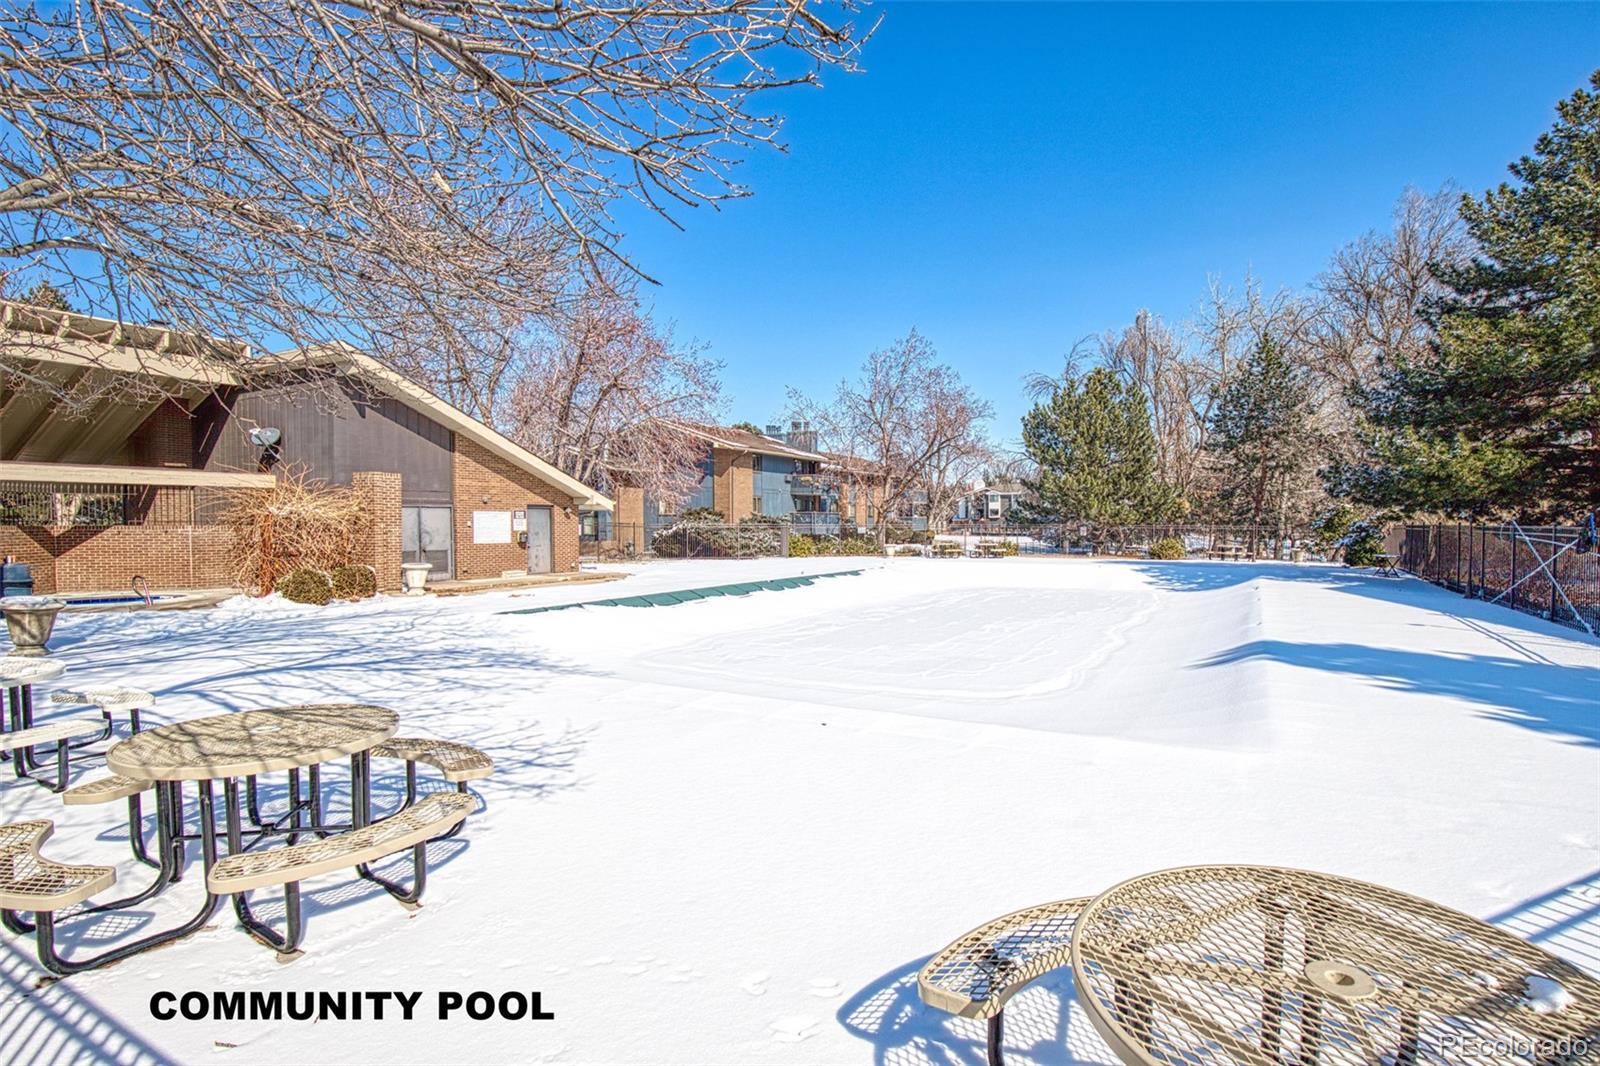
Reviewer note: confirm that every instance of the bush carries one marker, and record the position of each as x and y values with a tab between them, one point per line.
305	585
858	545
1009	547
1168	548
1362	544
702	539
801	546
353	582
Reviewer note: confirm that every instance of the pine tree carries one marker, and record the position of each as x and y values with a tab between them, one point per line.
1502	415
1262	431
1096	454
48	296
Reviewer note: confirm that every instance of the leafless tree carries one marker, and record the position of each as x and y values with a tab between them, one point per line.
302	171
602	394
911	417
1373	290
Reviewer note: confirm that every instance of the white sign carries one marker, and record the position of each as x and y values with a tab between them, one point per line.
519	521
491	527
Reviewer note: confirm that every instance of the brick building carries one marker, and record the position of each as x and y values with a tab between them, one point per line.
120	466
743	474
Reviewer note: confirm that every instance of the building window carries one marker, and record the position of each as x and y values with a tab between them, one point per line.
755	463
755	505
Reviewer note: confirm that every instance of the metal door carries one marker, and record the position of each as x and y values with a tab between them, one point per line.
539	540
425	537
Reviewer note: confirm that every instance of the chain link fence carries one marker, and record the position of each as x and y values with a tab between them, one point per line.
1543	570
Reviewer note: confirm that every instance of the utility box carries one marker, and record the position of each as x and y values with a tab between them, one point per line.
16	579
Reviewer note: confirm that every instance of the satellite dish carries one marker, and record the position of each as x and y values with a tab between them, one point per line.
265	436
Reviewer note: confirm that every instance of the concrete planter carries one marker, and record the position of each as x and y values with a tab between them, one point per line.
414	578
30	621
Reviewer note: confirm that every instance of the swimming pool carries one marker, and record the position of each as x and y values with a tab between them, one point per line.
113	601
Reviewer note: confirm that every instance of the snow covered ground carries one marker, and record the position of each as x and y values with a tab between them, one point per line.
731	831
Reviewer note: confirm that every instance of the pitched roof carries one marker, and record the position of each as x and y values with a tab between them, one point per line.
91	343
397	385
742	440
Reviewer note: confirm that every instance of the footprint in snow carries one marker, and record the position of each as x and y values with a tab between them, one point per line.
635	970
755	983
552	968
600	960
793	1028
825	988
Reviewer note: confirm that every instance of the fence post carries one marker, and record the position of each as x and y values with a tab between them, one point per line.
1511	582
1551	572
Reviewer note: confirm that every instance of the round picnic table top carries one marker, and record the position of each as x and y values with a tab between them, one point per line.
1251	964
252	742
17	670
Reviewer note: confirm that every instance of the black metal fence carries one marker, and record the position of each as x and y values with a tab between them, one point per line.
1537	569
1199	540
30	503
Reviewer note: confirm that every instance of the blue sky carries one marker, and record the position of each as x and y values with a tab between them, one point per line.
1009	178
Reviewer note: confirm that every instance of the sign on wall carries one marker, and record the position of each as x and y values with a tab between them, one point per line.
491	527
519	521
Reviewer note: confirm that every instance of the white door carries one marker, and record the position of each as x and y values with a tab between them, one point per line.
539	540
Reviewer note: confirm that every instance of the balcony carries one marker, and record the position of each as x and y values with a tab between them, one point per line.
814	522
811	485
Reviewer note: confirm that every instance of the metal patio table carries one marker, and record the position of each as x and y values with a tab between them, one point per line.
1264	965
225	748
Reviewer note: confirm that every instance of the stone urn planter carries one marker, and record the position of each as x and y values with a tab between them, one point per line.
30	620
414	578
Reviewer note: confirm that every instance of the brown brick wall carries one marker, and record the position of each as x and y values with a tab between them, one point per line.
486	482
166	438
32	546
380	547
733	484
106	560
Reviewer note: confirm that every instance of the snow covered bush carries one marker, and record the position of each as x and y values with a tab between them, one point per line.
1342	528
353	582
1363	543
305	585
1167	548
859	546
702	540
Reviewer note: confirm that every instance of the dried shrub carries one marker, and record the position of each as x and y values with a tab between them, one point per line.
353	582
299	522
305	585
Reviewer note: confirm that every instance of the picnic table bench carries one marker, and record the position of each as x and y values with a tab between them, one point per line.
946	549
1387	565
222	749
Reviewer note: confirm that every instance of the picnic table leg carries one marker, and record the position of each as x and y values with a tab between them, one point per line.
314	785
997	1027
294	805
167	793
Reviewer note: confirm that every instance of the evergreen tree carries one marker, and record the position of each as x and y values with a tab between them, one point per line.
48	296
1501	416
1262	431
1096	454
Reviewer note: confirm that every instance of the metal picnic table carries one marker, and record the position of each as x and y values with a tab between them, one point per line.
1388	565
225	748
1262	965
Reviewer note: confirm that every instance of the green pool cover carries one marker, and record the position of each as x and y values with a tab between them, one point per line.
667	599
